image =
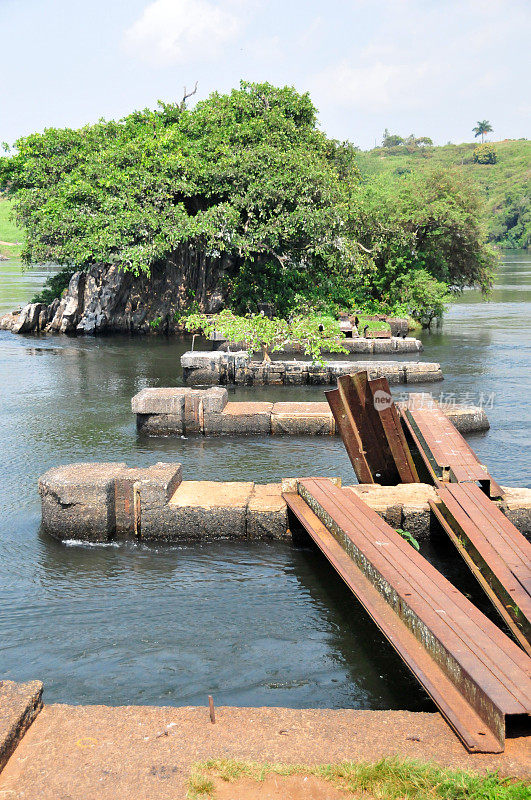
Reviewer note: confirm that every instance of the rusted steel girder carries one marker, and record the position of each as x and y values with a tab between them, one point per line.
495	551
446	455
477	676
369	425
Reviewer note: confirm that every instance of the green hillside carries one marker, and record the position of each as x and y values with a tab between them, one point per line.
505	186
9	231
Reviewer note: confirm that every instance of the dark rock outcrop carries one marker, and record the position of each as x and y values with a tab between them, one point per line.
109	300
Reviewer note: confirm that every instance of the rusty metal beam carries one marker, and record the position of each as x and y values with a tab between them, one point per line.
445	453
392	428
346	425
496	553
367	420
475	674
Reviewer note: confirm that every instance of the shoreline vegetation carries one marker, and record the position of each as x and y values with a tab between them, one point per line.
246	204
390	778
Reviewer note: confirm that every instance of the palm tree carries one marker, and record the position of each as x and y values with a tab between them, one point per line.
482	128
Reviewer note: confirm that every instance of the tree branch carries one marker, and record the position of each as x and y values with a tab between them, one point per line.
187	95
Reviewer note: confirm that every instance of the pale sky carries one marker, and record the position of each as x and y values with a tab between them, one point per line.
428	67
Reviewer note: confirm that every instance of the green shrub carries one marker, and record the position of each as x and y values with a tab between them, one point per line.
424	297
485	154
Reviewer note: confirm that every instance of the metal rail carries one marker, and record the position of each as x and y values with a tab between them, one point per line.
446	455
495	551
475	674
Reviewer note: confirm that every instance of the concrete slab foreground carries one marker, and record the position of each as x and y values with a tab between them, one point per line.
19	705
80	752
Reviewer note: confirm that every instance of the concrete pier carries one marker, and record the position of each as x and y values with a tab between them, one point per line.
390	345
216	367
178	411
100	502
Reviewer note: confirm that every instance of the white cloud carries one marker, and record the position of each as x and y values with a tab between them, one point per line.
172	31
374	87
424	56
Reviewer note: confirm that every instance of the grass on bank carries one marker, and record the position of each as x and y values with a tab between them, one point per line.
9	231
389	779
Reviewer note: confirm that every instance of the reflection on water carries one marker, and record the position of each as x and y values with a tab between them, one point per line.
251	623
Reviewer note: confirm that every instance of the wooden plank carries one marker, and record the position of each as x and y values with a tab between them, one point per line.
456	710
494	550
487	668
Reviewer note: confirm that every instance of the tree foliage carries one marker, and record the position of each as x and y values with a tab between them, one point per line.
482	127
247	172
248	175
485	154
503	189
258	332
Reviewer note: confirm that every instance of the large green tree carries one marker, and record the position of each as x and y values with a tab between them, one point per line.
247	173
246	176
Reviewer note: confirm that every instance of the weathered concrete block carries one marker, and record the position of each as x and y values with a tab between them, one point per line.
97	501
213	367
391	370
160	424
214	400
467	419
153	491
241	419
218	367
403	506
78	500
420	372
296	373
408	345
516	505
359	345
416	519
267	515
384	345
300	419
19	705
209	510
260	373
159	401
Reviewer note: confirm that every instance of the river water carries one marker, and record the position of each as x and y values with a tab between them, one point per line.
251	623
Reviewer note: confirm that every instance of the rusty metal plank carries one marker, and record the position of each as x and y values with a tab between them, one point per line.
487	670
496	553
456	710
393	431
371	431
354	389
446	454
350	436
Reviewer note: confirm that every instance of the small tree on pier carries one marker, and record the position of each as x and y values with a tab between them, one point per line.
313	332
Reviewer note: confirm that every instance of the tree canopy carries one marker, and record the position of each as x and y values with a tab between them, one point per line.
248	174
